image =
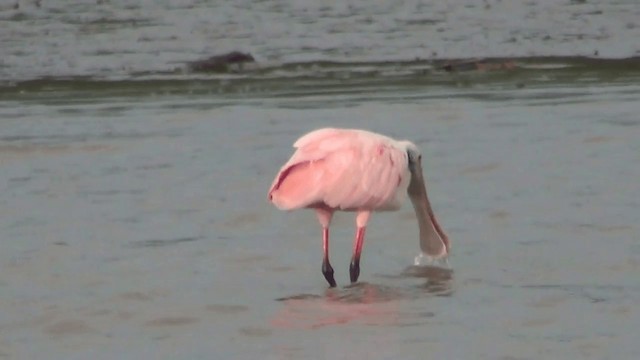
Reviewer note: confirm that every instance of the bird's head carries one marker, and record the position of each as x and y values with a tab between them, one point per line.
414	156
433	240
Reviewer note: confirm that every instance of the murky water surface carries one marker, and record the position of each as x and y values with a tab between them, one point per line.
133	213
116	37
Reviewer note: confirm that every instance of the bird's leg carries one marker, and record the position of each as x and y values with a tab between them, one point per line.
327	270
354	267
324	216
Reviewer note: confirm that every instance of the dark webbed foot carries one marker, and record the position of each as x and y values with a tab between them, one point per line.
354	270
327	271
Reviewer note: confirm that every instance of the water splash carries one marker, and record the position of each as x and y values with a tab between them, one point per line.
426	260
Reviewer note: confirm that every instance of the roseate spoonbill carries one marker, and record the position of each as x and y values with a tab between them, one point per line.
360	171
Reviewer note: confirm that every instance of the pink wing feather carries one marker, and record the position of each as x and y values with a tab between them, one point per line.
342	169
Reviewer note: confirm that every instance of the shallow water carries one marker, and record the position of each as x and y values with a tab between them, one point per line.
146	232
134	221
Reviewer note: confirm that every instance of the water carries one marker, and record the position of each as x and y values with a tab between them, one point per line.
134	221
111	38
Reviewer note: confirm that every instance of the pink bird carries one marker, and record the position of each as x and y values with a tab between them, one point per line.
360	171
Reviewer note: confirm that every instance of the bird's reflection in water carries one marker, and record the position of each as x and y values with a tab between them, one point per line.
438	280
363	303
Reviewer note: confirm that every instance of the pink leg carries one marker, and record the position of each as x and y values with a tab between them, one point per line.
324	216
354	267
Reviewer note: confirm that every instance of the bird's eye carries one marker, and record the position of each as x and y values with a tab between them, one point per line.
419	157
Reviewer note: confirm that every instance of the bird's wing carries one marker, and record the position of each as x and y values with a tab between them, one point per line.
342	169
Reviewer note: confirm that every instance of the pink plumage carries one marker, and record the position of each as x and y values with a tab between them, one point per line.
342	169
356	170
